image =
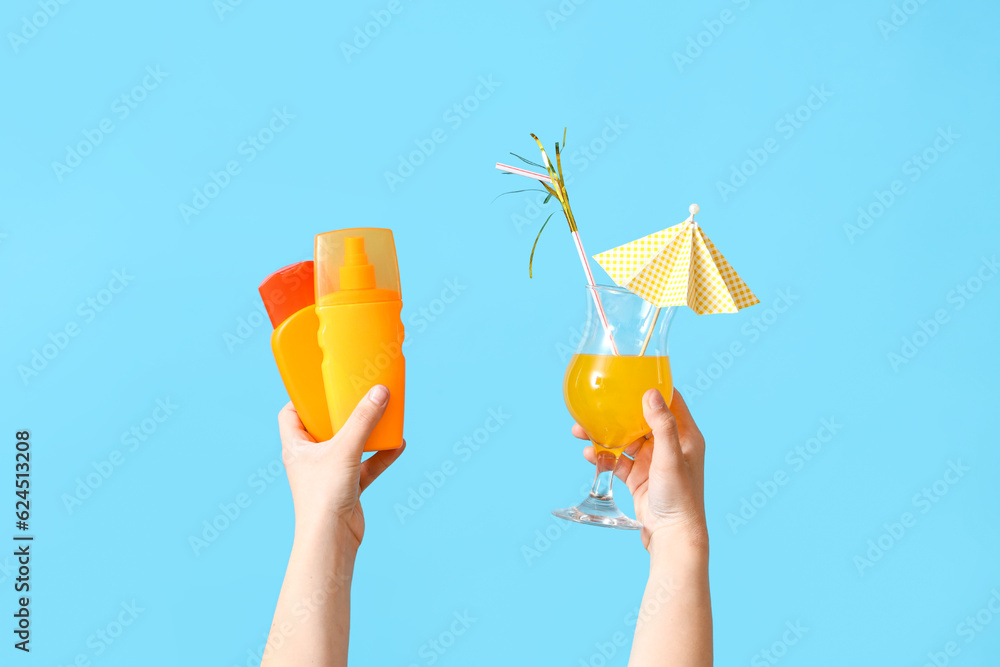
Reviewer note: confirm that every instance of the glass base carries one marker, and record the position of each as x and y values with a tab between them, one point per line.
598	512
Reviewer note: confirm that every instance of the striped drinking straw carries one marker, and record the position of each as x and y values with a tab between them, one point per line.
556	187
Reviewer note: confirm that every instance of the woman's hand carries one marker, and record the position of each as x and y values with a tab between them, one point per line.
327	478
667	475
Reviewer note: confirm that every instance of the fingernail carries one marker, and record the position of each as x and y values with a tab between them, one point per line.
378	395
655	400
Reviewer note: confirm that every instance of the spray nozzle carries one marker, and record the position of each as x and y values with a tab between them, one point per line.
356	266
356	273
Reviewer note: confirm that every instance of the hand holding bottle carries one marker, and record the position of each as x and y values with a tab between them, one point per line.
327	478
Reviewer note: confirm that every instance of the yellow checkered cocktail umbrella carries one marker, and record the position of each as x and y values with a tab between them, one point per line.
678	266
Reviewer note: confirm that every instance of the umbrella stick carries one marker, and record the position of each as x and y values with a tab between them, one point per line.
692	209
649	334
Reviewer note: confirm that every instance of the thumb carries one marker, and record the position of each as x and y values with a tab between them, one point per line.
359	426
668	460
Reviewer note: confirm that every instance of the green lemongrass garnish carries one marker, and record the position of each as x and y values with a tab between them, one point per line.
514	192
554	184
557	190
532	258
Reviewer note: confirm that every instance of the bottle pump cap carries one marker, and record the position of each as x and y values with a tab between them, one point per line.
356	266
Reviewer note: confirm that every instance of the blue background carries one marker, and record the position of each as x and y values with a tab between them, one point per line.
479	544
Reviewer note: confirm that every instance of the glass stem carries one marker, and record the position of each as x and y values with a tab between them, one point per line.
605	475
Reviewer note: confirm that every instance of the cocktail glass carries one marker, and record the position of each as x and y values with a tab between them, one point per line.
603	390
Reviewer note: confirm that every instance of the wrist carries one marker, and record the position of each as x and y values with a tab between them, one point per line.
326	558
678	545
334	538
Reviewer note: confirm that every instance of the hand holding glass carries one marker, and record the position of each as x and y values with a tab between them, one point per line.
603	390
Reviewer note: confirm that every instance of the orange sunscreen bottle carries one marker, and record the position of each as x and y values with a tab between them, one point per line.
358	303
288	296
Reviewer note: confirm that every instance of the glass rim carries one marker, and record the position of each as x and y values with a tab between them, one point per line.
613	288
